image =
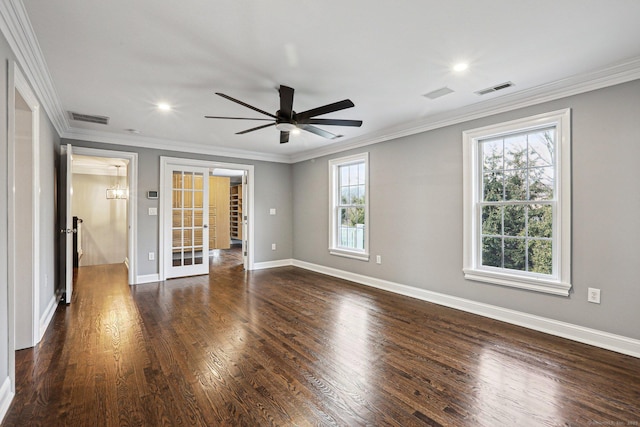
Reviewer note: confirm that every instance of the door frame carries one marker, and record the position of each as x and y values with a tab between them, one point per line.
18	82
165	161
132	201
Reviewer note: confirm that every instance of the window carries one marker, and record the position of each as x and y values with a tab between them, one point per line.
349	212
517	203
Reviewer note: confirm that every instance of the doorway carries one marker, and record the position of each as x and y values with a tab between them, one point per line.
226	224
99	209
105	186
182	235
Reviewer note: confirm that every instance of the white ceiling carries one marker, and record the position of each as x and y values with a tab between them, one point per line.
119	58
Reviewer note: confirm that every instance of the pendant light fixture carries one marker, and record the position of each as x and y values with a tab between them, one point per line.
116	191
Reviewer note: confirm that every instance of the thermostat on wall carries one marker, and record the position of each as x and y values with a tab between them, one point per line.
152	194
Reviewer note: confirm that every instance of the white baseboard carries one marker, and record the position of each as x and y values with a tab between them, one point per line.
6	396
617	343
272	264
46	317
147	278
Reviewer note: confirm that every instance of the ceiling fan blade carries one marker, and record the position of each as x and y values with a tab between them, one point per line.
331	122
286	101
284	137
325	109
256	128
318	131
244	104
237	118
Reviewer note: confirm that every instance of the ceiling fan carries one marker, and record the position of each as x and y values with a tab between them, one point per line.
287	120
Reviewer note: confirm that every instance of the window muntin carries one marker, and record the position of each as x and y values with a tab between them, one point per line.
517	203
349	206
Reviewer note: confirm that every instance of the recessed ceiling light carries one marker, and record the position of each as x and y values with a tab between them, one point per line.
461	66
164	107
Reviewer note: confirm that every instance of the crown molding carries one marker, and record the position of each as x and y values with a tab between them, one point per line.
163	144
614	74
16	28
15	25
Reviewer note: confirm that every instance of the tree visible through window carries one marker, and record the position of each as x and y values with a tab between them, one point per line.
348	232
351	206
517	201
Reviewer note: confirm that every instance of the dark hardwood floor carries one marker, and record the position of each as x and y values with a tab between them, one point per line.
289	347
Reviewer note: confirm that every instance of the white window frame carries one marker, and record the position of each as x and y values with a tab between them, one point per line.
559	282
334	181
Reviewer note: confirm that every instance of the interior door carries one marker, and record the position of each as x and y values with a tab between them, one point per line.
186	223
65	221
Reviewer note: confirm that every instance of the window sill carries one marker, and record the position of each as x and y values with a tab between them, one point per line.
348	254
522	282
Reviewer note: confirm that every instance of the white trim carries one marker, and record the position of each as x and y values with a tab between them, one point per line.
46	317
248	205
617	73
273	264
132	201
147	278
6	396
17	29
606	340
560	282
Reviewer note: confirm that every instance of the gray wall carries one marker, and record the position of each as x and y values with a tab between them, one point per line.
416	213
272	190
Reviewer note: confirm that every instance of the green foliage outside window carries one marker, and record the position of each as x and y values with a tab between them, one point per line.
517	195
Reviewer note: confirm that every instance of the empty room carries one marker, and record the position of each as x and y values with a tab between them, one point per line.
319	213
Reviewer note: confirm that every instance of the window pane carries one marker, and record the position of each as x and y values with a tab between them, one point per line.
359	238
361	174
540	256
514	254
353	191
514	220
188	180
541	183
344	195
353	174
541	148
515	185
491	220
492	155
492	251
515	152
540	221
344	175
361	199
493	187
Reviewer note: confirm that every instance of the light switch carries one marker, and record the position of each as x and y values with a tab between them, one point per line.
272	211
153	211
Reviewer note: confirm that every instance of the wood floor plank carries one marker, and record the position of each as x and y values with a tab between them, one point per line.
286	346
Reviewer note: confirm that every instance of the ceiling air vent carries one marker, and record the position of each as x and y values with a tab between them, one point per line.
495	88
438	93
101	120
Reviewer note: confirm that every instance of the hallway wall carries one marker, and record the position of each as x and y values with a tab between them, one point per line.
104	227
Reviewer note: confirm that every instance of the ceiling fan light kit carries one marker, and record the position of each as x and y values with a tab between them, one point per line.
286	120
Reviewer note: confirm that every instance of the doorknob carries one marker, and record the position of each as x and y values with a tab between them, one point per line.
205	226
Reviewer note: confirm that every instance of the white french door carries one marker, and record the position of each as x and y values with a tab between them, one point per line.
186	228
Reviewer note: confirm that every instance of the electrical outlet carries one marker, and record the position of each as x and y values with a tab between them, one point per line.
272	211
378	259
273	246
593	295
152	256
